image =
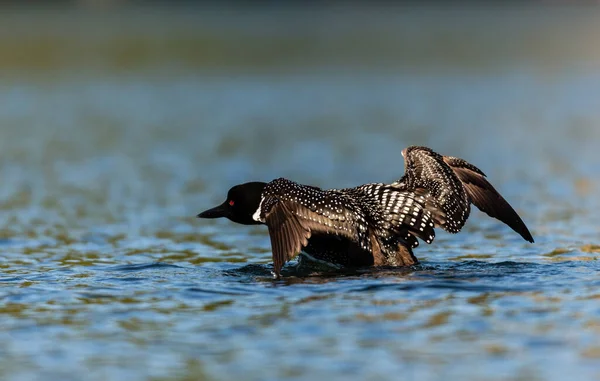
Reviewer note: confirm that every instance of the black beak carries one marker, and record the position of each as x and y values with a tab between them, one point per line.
216	212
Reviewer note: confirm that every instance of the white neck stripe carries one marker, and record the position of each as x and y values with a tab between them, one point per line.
256	215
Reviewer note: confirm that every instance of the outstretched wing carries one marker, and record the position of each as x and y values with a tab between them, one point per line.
452	184
288	235
485	197
293	212
443	193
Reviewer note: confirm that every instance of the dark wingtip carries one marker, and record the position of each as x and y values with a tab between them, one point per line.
521	228
528	237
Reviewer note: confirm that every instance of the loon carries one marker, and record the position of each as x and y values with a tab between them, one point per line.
374	224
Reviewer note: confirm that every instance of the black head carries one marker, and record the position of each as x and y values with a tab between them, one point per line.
242	202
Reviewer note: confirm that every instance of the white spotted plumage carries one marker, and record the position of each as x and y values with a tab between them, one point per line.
393	217
444	195
381	219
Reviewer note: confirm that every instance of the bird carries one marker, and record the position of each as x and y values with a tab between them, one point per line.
375	224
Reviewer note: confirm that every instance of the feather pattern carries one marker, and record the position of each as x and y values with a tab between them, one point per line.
445	197
485	197
295	212
450	185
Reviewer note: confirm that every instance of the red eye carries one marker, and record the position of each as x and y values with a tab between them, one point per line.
231	202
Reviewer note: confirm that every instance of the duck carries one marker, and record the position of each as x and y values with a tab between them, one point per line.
375	224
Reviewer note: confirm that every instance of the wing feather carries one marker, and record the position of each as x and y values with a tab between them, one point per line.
396	211
428	175
290	226
451	185
287	234
485	197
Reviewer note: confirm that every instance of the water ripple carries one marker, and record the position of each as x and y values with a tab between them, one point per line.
141	267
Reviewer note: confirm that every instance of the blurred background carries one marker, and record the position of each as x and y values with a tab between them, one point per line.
121	120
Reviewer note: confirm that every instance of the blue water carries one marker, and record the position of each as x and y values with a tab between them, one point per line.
105	273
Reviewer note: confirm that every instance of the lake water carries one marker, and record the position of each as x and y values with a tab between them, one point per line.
107	156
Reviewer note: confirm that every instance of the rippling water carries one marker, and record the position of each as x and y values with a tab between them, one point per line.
106	274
